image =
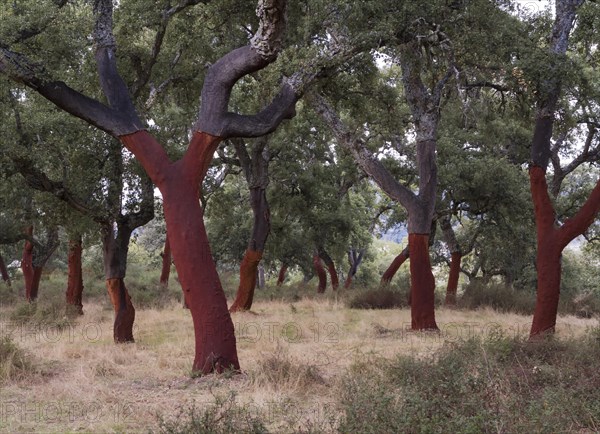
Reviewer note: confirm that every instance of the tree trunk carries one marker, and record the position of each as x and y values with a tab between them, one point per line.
4	272
252	257
422	283
115	248
248	274
261	277
124	310
281	275
178	183
75	278
452	287
335	283
166	264
26	263
354	259
321	274
389	274
31	293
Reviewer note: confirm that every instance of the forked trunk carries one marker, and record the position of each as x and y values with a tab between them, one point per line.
354	259
4	272
281	275
166	264
389	274
124	311
321	274
248	274
422	283
452	287
178	183
75	278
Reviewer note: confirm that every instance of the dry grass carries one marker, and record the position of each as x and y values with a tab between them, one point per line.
292	356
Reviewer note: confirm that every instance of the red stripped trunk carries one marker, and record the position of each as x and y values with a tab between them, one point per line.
281	275
389	274
178	183
422	284
335	283
27	263
166	264
248	272
452	287
75	278
321	274
4	272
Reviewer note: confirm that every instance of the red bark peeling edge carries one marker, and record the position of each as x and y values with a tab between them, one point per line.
124	310
245	292
281	275
422	284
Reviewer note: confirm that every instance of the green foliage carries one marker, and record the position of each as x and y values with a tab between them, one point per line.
497	296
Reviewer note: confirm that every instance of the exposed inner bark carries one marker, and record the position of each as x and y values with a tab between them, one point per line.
321	274
452	287
115	248
335	283
124	310
166	264
178	183
248	274
281	275
4	271
389	274
75	278
422	283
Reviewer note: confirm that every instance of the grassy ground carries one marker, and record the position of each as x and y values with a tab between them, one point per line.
301	361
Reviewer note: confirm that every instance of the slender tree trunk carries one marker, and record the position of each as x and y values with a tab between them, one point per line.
281	275
115	248
4	272
452	287
321	274
166	264
335	283
389	274
252	257
422	283
31	293
354	259
178	183
26	263
75	278
261	282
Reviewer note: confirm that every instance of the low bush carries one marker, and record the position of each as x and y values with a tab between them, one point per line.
378	298
15	363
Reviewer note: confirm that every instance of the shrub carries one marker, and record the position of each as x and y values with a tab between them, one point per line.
280	371
14	362
224	416
497	384
497	296
379	298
